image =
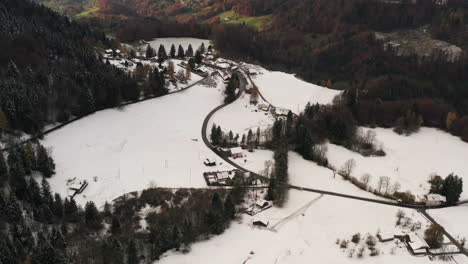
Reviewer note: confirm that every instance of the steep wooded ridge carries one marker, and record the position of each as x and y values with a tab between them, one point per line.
50	70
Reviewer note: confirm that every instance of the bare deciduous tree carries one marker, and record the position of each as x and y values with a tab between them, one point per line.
366	179
348	168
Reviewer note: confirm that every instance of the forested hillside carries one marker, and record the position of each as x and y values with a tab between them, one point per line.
50	70
333	43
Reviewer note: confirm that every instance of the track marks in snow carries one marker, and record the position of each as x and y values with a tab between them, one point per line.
292	216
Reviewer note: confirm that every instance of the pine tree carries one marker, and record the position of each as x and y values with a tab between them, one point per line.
162	53
149	52
132	253
173	51
191	62
17	174
198	57
272	189
116	227
45	254
452	188
27	164
57	208
91	215
12	209
70	210
45	164
181	52
175	237
34	193
202	48
56	239
46	192
3	170
189	52
215	216
229	208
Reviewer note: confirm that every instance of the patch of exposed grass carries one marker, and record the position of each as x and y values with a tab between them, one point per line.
258	22
87	13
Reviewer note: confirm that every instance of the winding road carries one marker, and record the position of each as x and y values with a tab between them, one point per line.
421	208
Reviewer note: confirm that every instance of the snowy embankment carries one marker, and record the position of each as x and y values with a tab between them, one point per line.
286	91
410	160
308	235
185	42
153	143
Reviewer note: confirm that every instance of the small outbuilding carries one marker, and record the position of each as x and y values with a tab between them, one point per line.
260	223
258	206
385	237
264	107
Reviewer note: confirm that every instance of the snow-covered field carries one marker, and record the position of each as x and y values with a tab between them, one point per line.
453	219
153	143
410	160
308	237
240	116
167	43
286	91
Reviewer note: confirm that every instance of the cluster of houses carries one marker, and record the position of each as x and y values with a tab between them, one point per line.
415	243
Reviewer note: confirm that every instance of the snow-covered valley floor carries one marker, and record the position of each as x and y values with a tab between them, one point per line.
153	143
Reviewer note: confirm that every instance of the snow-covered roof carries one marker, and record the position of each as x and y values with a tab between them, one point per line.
417	242
261	202
433	197
224	175
281	111
386	236
236	150
108	50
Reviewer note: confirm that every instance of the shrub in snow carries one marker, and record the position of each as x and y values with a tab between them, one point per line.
374	252
344	244
370	241
356	238
360	253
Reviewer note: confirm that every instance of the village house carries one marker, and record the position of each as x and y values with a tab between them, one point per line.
434	199
236	152
417	244
264	107
281	111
